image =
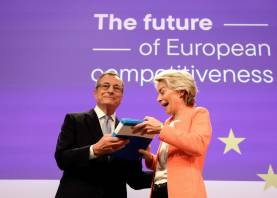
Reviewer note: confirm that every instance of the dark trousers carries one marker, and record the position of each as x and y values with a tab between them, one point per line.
159	191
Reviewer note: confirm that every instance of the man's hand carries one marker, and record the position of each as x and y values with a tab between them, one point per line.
108	144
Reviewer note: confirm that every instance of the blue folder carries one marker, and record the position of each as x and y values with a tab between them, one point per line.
130	151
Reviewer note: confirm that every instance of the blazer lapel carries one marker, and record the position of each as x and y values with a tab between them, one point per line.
94	125
116	122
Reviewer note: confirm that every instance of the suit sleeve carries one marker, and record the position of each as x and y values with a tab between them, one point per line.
193	142
67	155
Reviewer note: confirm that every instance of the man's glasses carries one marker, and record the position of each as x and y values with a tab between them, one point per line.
106	86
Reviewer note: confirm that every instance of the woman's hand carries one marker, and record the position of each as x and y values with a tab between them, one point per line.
149	126
147	156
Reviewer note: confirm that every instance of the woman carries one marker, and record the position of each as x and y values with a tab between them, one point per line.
184	136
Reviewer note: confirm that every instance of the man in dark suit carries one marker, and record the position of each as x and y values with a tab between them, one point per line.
85	146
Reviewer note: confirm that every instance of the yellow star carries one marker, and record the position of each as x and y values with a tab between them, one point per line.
270	178
231	142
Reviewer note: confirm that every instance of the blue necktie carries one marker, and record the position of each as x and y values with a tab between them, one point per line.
107	130
107	126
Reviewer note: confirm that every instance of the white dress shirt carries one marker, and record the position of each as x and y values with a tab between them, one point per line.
101	117
161	170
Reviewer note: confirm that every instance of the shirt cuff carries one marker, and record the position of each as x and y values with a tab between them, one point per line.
91	153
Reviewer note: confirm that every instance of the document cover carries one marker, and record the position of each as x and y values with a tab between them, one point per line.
137	141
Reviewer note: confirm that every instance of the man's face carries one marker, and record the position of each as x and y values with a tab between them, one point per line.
109	92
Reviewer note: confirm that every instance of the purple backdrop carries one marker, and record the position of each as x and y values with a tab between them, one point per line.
47	61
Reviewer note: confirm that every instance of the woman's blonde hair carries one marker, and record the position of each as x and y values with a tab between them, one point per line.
181	81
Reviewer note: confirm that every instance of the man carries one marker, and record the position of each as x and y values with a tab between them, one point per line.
85	154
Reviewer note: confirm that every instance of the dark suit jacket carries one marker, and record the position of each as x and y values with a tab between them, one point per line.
102	177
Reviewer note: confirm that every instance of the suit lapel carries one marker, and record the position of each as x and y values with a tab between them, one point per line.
116	122
94	125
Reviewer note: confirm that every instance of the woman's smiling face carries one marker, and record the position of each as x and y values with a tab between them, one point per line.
168	98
